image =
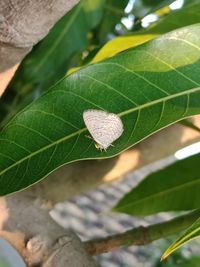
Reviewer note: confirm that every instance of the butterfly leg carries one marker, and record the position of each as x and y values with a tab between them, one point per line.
89	137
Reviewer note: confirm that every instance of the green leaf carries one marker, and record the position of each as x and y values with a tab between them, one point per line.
185	16
149	87
113	12
191	233
67	37
175	187
179	259
48	61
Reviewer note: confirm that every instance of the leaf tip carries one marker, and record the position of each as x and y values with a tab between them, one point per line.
167	252
164	256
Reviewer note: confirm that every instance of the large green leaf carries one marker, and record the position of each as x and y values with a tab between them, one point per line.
191	233
175	187
48	61
186	16
149	87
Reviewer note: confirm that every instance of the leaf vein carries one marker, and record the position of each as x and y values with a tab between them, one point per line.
53	115
136	74
171	67
161	193
112	88
13	142
32	130
126	112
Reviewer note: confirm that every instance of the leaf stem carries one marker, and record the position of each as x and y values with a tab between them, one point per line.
142	235
189	124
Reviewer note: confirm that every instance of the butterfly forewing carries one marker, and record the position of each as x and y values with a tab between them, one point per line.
104	127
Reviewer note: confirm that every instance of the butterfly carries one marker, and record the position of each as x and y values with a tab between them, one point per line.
104	127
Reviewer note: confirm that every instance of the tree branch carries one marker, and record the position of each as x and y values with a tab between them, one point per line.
27	225
142	235
23	24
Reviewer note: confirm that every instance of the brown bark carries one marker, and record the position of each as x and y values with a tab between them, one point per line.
142	235
23	221
23	24
26	224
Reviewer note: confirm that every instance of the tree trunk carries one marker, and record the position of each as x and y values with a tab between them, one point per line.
24	222
24	23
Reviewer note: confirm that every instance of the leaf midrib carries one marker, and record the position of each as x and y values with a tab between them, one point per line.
188	237
121	114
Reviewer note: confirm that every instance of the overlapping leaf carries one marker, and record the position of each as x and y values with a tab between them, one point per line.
149	87
48	61
175	187
176	19
186	16
189	124
191	233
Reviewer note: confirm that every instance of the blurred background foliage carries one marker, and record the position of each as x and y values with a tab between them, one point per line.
81	33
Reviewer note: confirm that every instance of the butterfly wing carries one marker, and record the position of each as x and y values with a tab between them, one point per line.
104	127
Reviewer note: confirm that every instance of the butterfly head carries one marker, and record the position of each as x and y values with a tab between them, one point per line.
99	147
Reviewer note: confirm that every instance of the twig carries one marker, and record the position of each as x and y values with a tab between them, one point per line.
142	235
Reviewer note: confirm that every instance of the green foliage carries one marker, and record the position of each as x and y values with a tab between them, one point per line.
191	233
49	55
178	259
48	61
144	7
74	33
113	12
175	187
149	87
176	19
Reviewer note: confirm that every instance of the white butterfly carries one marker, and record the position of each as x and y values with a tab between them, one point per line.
104	127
